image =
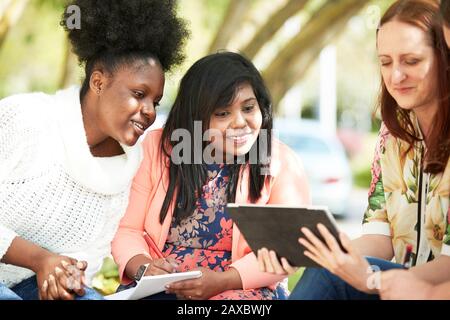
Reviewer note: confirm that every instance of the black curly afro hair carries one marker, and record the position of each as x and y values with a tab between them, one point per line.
114	32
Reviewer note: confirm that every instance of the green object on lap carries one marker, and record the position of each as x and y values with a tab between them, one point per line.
294	278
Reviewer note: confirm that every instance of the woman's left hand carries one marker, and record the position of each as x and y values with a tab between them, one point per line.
205	287
350	266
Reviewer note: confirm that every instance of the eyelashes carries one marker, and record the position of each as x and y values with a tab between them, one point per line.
246	109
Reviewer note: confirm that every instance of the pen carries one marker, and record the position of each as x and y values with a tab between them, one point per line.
407	261
153	245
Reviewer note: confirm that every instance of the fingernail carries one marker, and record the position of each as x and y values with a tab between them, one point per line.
51	278
58	270
167	286
45	285
80	265
64	263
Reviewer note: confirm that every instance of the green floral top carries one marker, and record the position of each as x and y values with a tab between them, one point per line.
401	194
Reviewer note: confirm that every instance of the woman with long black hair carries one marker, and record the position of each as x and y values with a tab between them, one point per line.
227	154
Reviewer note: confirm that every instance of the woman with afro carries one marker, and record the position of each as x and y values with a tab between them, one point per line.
67	160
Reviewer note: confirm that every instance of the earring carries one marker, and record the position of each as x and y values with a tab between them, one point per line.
98	91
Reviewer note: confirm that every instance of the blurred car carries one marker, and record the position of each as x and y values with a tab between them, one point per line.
324	159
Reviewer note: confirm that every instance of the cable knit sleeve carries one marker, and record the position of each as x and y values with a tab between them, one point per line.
13	137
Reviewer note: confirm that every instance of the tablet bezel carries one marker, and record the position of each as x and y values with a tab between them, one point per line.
277	227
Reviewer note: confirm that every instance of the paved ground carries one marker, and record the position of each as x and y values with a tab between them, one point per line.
351	224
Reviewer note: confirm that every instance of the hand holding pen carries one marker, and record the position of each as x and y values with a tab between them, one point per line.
160	264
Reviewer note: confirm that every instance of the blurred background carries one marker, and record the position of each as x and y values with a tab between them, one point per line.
317	57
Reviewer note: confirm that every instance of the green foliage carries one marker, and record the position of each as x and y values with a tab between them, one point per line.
361	162
362	177
31	56
51	4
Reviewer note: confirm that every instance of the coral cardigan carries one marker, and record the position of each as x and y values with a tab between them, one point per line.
287	185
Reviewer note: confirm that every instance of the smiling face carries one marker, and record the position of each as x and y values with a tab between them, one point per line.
239	123
126	104
408	65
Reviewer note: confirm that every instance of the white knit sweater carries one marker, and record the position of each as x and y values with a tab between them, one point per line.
53	192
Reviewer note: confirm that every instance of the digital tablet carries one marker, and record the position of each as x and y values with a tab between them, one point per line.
277	228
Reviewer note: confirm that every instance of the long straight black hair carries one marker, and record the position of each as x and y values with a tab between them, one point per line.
212	82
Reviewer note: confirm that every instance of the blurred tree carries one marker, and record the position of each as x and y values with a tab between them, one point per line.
9	15
273	24
233	18
250	26
291	63
68	56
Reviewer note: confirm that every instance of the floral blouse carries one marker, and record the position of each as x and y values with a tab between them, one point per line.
204	239
410	206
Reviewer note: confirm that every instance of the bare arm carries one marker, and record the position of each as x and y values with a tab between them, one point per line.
51	279
435	272
25	254
373	245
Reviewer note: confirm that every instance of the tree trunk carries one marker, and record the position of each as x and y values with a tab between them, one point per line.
234	16
9	17
273	24
291	63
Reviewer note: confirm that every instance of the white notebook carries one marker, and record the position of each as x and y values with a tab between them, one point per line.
152	284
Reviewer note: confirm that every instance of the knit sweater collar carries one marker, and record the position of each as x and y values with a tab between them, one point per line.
110	175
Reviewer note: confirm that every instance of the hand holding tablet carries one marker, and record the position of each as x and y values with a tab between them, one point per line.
278	228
